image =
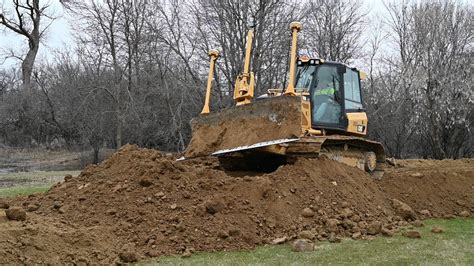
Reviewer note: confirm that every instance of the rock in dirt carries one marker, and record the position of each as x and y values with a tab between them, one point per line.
306	234
67	177
333	238
63	209
437	230
411	234
279	240
356	235
417	175
32	207
404	210
4	205
464	214
145	182
417	223
187	253
347	213
16	214
128	256
426	213
374	228
57	204
307	213
302	245
213	207
386	232
332	225
345	204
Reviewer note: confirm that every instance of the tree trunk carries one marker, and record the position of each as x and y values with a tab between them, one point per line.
118	133
27	65
96	154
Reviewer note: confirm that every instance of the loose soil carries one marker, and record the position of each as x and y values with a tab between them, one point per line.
264	120
140	204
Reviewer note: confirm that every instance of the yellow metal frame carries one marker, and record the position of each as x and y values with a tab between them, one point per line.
295	28
245	83
245	87
213	54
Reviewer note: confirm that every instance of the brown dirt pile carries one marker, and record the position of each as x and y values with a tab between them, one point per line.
443	187
264	120
140	204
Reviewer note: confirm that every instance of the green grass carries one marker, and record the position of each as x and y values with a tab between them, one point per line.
24	183
454	246
22	190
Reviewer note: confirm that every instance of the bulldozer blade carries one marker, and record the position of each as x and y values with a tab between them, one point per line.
246	127
254	146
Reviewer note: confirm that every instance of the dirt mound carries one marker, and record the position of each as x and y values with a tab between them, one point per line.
444	187
140	204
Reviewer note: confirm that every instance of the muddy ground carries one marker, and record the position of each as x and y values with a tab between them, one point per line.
141	204
42	159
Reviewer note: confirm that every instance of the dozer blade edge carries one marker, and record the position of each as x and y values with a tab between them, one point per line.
248	147
254	146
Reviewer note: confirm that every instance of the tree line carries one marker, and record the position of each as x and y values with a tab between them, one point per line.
137	70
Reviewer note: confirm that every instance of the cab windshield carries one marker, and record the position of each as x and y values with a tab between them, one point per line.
326	106
304	77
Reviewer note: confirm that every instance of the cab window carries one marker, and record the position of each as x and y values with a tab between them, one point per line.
325	100
352	99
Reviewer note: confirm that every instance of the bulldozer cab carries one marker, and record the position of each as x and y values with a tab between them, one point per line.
333	90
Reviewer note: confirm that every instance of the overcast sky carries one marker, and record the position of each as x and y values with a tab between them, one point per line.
59	33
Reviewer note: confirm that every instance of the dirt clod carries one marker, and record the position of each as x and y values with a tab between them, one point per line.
307	213
145	182
374	228
306	234
15	214
412	234
404	210
187	253
417	223
128	256
386	232
67	177
213	207
279	240
437	230
426	213
32	207
4	204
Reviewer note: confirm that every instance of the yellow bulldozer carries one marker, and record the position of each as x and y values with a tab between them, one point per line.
320	114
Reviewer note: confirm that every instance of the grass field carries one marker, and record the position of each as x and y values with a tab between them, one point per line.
455	246
24	183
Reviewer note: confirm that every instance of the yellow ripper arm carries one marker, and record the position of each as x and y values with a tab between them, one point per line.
295	28
213	54
245	83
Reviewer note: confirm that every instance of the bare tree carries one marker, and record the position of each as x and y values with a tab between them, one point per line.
223	25
434	40
26	21
333	29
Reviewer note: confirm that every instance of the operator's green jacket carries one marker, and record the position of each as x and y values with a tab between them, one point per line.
327	91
